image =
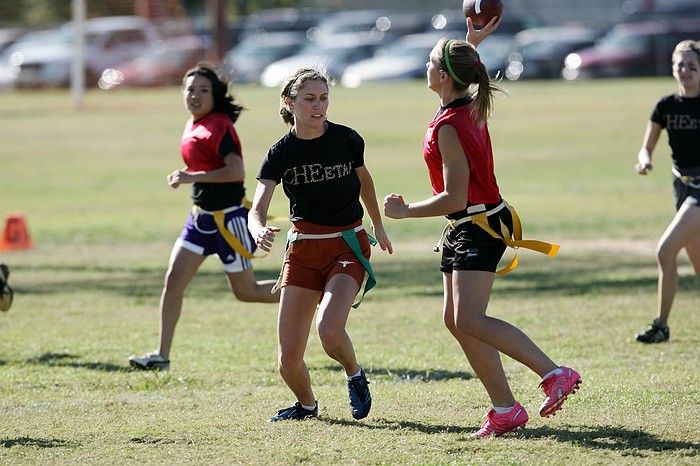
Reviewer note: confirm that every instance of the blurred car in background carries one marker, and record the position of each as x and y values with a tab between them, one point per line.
246	61
283	20
162	64
43	58
9	36
631	49
644	10
407	57
332	56
403	59
453	20
378	25
539	53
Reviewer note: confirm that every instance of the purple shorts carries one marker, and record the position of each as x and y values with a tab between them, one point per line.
201	236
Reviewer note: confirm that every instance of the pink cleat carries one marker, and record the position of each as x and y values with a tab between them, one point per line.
498	424
557	388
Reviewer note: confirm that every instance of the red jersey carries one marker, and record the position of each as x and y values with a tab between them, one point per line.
201	141
476	144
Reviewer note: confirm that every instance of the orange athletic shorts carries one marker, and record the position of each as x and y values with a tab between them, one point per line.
310	263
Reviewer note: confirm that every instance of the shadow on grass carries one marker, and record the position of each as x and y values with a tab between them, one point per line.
387	424
568	277
69	360
411	277
407	375
35	442
633	441
126	281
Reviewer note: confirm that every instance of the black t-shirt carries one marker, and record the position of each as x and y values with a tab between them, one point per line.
318	175
680	116
218	196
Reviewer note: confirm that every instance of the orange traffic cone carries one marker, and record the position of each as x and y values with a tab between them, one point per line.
15	236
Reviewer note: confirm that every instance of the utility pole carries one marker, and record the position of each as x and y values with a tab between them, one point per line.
217	17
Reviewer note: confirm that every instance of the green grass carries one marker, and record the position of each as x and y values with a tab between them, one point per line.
92	186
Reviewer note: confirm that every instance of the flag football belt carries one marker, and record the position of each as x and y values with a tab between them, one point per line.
512	239
219	216
692	181
350	237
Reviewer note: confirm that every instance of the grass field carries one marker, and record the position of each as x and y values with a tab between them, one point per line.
91	184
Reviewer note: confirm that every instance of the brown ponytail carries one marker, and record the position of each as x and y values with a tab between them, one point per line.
462	63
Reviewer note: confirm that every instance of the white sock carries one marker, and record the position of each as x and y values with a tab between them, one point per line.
556	371
310	408
356	375
500	410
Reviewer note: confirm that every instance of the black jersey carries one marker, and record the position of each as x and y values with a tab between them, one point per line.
680	116
318	175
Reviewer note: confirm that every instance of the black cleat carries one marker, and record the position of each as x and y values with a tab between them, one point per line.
656	333
295	413
150	361
360	397
6	292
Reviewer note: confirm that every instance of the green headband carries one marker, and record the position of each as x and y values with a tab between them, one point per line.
450	71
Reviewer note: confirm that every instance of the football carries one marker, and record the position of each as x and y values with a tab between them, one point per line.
481	11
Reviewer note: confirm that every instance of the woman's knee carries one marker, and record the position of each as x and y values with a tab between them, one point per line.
289	362
666	253
244	288
244	294
175	281
328	333
469	325
449	321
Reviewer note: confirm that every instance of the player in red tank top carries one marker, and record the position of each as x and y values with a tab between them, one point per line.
213	160
457	150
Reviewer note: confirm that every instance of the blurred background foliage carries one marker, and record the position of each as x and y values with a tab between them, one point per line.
42	12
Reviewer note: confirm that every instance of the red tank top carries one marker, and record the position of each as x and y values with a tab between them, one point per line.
201	141
476	144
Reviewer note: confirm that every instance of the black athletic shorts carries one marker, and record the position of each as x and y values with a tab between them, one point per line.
468	247
684	194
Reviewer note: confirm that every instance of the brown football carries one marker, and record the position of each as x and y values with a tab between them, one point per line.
481	11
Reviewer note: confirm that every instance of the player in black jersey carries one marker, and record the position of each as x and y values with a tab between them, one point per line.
321	167
679	114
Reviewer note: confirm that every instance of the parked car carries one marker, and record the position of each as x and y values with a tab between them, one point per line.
644	10
403	59
453	20
246	61
407	57
539	53
43	58
283	20
163	64
9	36
631	49
334	56
379	25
